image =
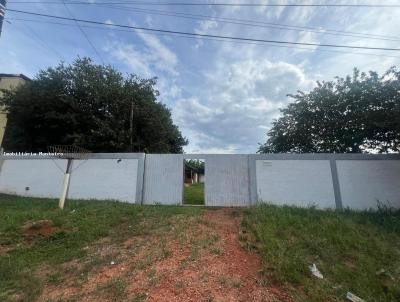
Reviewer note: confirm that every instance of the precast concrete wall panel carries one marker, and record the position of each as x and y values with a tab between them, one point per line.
103	179
295	182
163	179
226	180
32	177
365	182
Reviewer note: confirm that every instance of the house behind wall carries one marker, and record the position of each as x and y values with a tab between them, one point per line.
8	82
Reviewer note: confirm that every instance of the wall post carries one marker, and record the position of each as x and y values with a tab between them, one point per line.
336	185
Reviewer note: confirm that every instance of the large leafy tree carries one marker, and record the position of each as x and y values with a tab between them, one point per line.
92	106
359	113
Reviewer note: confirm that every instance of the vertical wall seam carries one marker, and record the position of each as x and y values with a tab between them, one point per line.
143	177
248	179
336	185
1	158
253	179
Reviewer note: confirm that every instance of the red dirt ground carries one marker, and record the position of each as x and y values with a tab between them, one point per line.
226	273
230	276
37	228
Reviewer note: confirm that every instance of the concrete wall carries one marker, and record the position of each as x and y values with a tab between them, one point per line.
226	180
104	179
364	182
295	182
326	180
163	179
44	178
116	176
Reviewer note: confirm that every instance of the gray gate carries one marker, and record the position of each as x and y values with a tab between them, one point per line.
163	179
227	180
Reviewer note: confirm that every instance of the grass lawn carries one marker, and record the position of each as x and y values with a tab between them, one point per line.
27	264
356	252
194	194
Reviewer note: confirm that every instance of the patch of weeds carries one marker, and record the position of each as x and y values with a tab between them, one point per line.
216	250
152	276
88	265
195	254
162	252
114	289
246	239
139	298
223	280
229	282
205	222
204	276
263	282
209	297
236	283
235	213
54	278
205	241
179	285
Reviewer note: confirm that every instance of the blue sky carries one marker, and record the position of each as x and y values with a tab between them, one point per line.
223	95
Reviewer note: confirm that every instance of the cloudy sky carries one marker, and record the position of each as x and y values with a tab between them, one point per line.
223	95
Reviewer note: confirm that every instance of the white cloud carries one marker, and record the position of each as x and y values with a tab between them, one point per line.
160	54
244	97
204	27
138	62
147	59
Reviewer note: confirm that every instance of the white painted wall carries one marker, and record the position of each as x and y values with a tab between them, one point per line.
363	182
295	182
44	177
103	179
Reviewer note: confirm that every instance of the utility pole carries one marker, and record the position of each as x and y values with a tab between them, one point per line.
131	127
2	12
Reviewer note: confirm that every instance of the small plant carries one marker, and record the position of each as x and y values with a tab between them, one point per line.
216	250
115	289
139	298
179	285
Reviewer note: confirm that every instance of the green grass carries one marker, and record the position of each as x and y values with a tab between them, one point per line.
349	248
80	224
194	194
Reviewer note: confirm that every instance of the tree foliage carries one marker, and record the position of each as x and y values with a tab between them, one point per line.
195	164
359	113
92	106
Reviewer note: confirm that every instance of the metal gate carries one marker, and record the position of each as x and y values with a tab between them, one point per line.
227	180
163	179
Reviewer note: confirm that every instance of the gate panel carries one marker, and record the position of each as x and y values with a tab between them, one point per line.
163	179
227	180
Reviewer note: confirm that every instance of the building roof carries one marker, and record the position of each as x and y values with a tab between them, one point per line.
14	75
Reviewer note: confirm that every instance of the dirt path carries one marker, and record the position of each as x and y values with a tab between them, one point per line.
228	274
204	262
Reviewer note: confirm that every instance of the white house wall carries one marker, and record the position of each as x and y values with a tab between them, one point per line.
364	182
295	182
32	177
104	179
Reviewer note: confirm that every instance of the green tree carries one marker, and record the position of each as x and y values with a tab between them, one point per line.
195	164
92	106
359	113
